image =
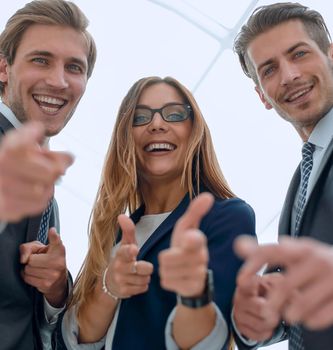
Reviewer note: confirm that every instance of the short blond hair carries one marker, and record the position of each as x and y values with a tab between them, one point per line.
49	12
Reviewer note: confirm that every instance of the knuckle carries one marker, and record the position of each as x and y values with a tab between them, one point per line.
47	284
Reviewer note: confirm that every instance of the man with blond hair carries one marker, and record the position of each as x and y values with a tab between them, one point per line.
46	58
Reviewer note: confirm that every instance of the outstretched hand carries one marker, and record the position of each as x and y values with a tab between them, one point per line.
127	276
45	268
28	172
183	267
306	294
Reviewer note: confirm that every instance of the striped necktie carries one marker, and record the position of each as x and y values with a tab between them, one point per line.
295	335
44	224
306	167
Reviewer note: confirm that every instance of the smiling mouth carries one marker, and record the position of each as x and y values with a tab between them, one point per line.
49	104
297	95
160	147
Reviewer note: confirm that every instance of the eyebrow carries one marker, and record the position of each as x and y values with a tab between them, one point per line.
288	51
49	54
167	104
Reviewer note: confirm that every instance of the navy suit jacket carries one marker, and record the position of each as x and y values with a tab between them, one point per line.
142	318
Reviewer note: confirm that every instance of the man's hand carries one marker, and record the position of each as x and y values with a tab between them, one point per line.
127	276
45	268
27	172
254	315
183	267
307	289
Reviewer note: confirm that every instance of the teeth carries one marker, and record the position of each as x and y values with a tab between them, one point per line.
49	109
50	100
159	146
293	97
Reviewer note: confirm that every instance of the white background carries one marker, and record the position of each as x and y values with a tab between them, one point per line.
191	41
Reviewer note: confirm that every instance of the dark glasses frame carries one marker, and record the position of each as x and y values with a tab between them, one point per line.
187	108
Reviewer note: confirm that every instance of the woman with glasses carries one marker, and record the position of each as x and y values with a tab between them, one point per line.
147	281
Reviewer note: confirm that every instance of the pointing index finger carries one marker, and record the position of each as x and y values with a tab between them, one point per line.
197	209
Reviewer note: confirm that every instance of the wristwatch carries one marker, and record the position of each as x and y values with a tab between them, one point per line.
201	300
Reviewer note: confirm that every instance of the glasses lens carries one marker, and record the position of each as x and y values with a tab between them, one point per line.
142	116
175	113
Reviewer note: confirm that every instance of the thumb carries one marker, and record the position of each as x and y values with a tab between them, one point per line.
191	219
128	230
193	240
54	240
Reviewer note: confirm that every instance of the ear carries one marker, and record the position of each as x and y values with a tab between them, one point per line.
3	69
263	98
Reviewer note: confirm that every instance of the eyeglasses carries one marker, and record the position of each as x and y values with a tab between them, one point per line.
171	112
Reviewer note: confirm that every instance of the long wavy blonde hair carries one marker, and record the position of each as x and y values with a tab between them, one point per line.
119	192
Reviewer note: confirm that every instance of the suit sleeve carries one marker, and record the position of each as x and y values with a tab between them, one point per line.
226	221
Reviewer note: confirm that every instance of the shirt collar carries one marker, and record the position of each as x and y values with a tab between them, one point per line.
322	134
10	116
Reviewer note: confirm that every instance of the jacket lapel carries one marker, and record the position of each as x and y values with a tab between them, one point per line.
33	228
284	224
322	165
5	125
166	226
285	218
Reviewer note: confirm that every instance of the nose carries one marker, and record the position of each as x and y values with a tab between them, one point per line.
56	77
289	73
158	124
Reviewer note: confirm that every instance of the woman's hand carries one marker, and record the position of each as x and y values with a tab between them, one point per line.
126	276
183	267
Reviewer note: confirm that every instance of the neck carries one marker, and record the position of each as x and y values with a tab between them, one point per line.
305	132
162	197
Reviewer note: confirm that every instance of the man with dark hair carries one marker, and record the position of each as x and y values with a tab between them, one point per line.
46	58
286	49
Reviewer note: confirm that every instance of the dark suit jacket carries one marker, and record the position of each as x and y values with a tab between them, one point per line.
316	222
21	306
142	318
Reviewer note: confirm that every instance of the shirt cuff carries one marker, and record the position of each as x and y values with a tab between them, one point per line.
3	225
52	313
244	340
214	340
70	333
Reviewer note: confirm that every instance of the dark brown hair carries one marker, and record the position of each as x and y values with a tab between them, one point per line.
266	17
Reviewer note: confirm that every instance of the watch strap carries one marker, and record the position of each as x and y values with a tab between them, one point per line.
202	300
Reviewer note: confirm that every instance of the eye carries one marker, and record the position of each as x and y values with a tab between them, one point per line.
40	60
140	119
75	68
300	54
175	113
175	117
268	71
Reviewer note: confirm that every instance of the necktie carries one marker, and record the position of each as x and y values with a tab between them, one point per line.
306	167
44	224
295	335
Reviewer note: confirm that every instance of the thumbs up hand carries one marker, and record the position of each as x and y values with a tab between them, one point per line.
127	276
45	268
183	267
